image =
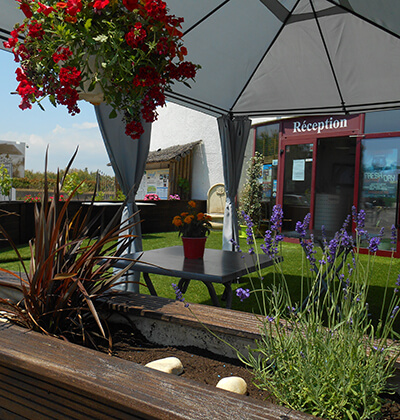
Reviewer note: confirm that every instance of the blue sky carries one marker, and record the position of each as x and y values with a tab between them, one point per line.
53	127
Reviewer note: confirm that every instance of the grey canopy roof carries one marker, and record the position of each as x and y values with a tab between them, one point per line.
284	57
270	57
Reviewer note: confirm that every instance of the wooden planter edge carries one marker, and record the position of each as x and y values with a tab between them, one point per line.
43	377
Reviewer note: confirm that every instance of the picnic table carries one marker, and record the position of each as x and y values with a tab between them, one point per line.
217	266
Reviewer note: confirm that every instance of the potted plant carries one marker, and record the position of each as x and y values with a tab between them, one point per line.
126	53
194	228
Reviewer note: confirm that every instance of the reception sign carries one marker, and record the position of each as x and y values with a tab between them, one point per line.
322	126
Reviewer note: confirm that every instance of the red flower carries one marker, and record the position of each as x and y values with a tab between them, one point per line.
26	90
36	30
100	4
134	129
62	54
136	35
45	9
70	76
26	10
131	4
74	7
157	9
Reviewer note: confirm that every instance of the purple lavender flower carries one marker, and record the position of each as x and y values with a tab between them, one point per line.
310	251
346	222
249	230
359	220
394	312
374	244
236	245
301	228
393	236
178	295
242	294
276	218
397	284
332	248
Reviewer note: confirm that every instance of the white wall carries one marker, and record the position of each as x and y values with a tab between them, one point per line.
180	125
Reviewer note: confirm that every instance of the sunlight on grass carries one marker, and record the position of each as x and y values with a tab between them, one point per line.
293	267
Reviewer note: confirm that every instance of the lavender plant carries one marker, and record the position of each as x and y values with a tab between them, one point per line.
323	355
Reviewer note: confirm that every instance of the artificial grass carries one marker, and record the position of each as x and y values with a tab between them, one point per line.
292	267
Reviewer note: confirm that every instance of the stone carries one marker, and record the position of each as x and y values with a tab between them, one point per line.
233	384
168	365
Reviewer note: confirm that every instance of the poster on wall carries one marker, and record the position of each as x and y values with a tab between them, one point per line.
154	181
380	174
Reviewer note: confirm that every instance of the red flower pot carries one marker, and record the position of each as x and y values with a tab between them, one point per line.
193	248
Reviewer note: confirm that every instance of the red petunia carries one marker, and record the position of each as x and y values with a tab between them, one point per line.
36	30
62	54
74	7
136	35
134	129
100	4
131	4
25	8
45	9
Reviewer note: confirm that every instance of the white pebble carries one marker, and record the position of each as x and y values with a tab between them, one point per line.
233	384
168	365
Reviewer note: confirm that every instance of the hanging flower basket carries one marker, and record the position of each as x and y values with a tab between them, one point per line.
126	53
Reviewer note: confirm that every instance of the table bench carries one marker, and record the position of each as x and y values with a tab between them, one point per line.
217	266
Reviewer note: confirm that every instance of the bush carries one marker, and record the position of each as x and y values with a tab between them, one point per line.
324	356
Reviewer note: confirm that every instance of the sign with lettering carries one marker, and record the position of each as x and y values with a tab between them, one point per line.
322	126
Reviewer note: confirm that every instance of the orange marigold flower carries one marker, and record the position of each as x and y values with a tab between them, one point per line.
192	203
184	214
200	216
188	219
177	221
208	217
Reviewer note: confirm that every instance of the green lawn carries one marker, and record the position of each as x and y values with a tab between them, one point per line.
197	292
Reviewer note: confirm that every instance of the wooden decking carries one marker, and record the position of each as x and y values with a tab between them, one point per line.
46	378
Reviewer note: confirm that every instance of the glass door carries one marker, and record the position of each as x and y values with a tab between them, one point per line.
334	182
297	183
379	186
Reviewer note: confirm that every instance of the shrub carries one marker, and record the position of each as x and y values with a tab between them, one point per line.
250	200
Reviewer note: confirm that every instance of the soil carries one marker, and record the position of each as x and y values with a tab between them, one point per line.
204	366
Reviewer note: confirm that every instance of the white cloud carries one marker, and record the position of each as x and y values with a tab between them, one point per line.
85	125
58	129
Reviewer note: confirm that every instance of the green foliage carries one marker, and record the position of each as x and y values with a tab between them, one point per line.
99	196
250	199
325	356
120	196
5	181
73	184
69	270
